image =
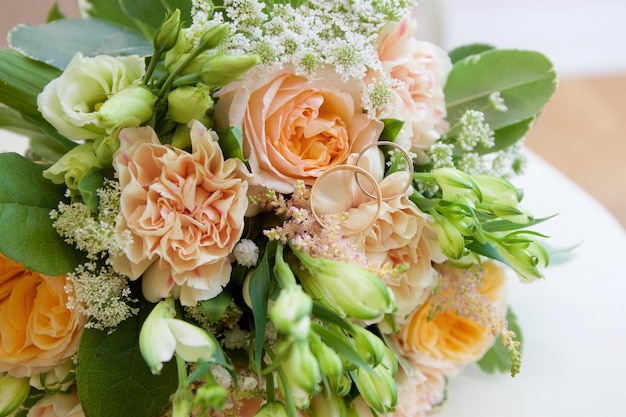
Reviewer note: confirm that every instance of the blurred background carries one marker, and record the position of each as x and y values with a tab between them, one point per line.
582	131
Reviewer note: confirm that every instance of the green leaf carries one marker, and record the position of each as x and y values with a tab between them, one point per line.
259	289
13	121
26	232
88	187
88	36
231	142
21	81
497	359
144	16
464	51
113	378
506	225
391	129
215	307
54	13
525	79
341	345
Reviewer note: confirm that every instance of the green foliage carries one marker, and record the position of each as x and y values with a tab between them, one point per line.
391	129
526	81
114	380
55	13
215	307
231	142
464	51
497	359
26	232
88	187
21	81
143	16
88	36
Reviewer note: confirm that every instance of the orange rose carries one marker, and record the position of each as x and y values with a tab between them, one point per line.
184	212
294	127
423	68
37	330
450	337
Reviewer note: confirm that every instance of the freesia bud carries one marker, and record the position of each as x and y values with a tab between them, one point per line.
13	393
272	409
369	346
350	290
213	37
302	368
167	34
129	107
450	238
188	103
377	387
291	312
328	406
329	361
342	385
455	183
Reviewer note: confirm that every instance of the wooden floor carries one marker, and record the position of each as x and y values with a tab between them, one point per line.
582	132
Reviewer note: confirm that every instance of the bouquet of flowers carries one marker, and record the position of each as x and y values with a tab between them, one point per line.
255	207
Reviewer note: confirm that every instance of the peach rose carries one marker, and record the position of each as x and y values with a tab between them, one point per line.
57	405
423	68
453	338
293	127
37	330
184	212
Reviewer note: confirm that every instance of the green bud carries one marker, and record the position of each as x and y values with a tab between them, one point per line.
377	387
455	183
450	238
129	107
498	189
177	53
167	34
341	385
272	409
210	397
189	103
291	312
213	37
303	371
221	69
350	290
59	379
329	361
181	137
524	254
73	165
13	393
331	405
104	147
369	346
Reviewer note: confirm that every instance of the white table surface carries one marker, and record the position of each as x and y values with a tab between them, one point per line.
574	321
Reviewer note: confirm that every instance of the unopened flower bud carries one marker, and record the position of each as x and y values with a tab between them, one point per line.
302	369
291	312
329	361
455	183
59	379
213	37
188	103
73	165
166	35
210	396
331	405
450	238
350	290
129	107
272	409
377	387
341	385
13	393
369	346
221	69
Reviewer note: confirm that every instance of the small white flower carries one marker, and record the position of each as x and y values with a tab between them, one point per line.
246	253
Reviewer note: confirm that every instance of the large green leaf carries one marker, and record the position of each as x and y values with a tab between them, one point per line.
144	16
88	36
21	81
26	232
113	378
525	79
464	51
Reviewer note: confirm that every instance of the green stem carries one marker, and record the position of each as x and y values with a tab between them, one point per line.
151	66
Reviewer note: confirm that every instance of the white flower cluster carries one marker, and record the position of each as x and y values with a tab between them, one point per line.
318	32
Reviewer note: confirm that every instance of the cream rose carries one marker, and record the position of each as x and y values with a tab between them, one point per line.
423	68
184	212
37	330
71	102
57	405
293	127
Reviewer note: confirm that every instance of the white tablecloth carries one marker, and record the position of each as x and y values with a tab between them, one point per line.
574	321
